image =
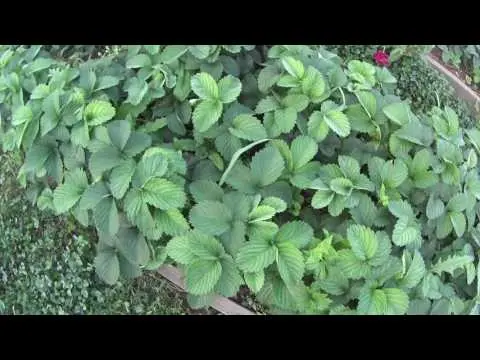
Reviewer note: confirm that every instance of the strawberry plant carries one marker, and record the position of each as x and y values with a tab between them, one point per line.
276	168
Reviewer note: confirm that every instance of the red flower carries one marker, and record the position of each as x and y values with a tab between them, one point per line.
381	58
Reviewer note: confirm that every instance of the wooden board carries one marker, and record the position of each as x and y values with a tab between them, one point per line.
220	303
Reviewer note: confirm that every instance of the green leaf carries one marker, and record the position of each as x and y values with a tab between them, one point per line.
120	178
205	86
107	266
459	223
206	114
104	160
133	246
163	194
397	112
260	213
317	127
202	276
299	102
105	215
137	142
372	302
278	204
171	222
21	115
451	263
352	266
229	89
363	241
255	280
205	246
248	127
397	301
394	173
415	272
294	67
285	119
267	165
98	112
368	102
206	190
179	250
457	203
230	280
172	52
266	105
68	194
338	122
93	195
119	131
401	208
435	208
341	186
290	263
297	233
404	234
322	198
267	77
256	255
303	150
211	217
138	61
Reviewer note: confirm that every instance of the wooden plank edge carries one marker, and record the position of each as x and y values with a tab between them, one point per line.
462	89
220	303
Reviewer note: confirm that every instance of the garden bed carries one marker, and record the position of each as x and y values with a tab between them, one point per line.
457	77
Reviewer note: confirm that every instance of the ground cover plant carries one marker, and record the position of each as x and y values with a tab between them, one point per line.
278	168
46	264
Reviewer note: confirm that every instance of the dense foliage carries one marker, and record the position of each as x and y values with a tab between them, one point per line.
277	167
466	58
417	82
45	268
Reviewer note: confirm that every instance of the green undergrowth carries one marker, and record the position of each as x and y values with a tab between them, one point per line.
46	264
